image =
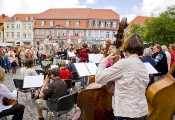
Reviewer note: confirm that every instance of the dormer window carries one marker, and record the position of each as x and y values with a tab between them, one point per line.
27	18
114	24
96	23
90	23
15	18
31	18
67	23
102	24
51	22
77	22
108	24
42	23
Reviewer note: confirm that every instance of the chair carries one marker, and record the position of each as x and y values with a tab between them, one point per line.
41	71
64	105
69	85
19	86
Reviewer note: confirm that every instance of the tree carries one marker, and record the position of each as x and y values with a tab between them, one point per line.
161	30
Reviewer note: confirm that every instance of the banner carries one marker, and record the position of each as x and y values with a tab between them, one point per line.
79	38
69	38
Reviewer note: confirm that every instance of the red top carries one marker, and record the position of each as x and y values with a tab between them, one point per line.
172	58
84	55
65	74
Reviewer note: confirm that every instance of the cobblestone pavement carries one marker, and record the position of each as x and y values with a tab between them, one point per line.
30	112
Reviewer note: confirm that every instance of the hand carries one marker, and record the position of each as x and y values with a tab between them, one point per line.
47	79
112	56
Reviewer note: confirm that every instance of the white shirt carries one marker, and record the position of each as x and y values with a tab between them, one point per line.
132	78
4	91
168	56
27	72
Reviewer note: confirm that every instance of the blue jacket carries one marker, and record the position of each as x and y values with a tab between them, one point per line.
149	59
5	60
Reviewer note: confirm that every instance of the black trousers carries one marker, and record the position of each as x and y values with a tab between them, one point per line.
16	110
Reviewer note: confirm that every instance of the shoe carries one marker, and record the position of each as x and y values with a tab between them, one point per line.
38	118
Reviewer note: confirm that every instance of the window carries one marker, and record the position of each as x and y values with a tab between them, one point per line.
0	34
77	22
95	33
47	32
29	35
18	26
8	35
18	34
108	24
42	23
42	32
12	26
102	24
101	33
67	23
90	23
7	25
114	24
113	34
24	35
90	33
96	23
24	26
64	33
76	32
59	33
107	34
82	32
36	32
71	32
51	22
53	32
12	34
29	26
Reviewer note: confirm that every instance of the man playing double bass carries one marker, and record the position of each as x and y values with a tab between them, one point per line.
131	80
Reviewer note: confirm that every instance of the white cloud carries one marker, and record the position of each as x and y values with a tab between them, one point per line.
114	8
90	1
11	7
149	6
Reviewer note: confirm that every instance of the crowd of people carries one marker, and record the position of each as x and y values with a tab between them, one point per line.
128	73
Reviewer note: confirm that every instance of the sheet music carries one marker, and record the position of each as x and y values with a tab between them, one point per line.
82	69
33	81
95	58
150	68
92	68
71	54
53	66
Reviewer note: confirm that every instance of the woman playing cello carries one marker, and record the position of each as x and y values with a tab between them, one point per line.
131	80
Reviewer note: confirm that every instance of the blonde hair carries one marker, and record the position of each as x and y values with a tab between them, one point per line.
2	75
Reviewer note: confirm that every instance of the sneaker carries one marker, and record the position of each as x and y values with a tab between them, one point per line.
38	118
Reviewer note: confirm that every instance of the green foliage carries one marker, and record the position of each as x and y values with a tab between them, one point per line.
158	30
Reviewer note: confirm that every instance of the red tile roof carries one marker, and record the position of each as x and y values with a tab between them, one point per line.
2	20
138	20
78	13
22	17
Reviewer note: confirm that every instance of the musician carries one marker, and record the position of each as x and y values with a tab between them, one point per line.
51	92
46	47
15	110
64	72
84	53
131	80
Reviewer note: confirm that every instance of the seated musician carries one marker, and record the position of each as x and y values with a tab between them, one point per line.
15	110
131	80
64	72
45	64
51	92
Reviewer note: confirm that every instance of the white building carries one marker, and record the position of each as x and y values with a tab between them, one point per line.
19	29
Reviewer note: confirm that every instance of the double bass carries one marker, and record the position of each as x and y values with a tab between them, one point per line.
95	101
161	98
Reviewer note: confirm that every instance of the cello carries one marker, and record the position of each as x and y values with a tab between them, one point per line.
95	101
161	98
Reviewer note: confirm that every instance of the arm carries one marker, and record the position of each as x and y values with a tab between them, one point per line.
70	75
47	80
158	58
5	92
104	74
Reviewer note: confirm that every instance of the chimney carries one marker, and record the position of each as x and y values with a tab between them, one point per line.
3	16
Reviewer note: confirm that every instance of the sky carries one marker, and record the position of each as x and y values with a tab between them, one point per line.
125	8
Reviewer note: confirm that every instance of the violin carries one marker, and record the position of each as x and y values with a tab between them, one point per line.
7	101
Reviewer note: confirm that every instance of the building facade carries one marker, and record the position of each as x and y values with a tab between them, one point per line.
100	24
19	29
3	17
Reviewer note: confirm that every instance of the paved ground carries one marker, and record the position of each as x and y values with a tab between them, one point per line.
30	111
